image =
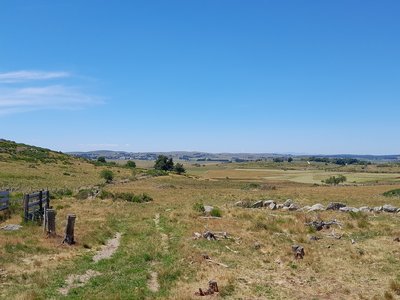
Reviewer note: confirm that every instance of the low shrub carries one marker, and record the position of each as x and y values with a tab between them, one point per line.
216	212
155	173
392	193
130	197
199	207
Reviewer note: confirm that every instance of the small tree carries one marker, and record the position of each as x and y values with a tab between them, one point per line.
290	159
179	168
164	163
131	164
108	175
101	159
335	180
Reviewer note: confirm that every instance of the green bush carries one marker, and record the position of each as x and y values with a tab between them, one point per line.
216	212
83	194
156	173
101	159
199	207
335	180
108	175
178	168
60	193
392	193
130	164
130	197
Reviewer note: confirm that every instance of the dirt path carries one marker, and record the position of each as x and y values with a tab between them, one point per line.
106	251
74	281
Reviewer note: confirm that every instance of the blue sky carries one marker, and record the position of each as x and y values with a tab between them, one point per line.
217	75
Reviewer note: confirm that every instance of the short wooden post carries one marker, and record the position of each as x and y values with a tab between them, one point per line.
26	207
69	231
50	222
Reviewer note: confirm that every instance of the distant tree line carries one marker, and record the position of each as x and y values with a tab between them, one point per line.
339	161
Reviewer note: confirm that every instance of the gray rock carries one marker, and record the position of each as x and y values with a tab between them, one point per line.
272	206
335	206
365	209
257	204
279	206
389	208
239	203
288	202
267	203
208	209
294	206
316	207
305	208
377	209
348	209
285	208
11	227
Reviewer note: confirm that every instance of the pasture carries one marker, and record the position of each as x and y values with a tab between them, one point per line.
158	258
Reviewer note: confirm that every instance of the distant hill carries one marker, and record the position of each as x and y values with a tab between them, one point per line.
10	150
232	157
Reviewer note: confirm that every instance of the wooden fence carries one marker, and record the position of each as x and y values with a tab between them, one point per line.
35	205
4	200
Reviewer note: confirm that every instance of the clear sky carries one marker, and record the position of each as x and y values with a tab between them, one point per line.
208	75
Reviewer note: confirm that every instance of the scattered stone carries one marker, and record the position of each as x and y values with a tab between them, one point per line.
298	251
257	245
365	209
205	256
272	206
208	209
389	208
305	208
209	235
335	206
377	209
212	288
267	203
319	225
294	206
315	238
353	241
239	203
279	206
11	227
396	239
316	207
197	235
258	204
288	202
349	209
285	208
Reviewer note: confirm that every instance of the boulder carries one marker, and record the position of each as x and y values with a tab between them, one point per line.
267	203
288	202
348	209
389	208
208	209
377	209
298	251
316	207
335	206
285	208
272	206
257	204
294	206
279	206
239	203
365	209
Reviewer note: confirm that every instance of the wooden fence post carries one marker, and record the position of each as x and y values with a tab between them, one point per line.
47	195
69	231
41	212
26	207
50	222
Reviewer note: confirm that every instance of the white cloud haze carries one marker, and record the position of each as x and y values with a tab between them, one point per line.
22	76
27	98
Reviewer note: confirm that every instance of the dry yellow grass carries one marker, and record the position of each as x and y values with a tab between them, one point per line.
331	269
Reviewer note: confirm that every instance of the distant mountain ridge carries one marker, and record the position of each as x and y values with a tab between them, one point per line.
206	156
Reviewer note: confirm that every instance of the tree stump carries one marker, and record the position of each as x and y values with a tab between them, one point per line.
69	231
50	222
